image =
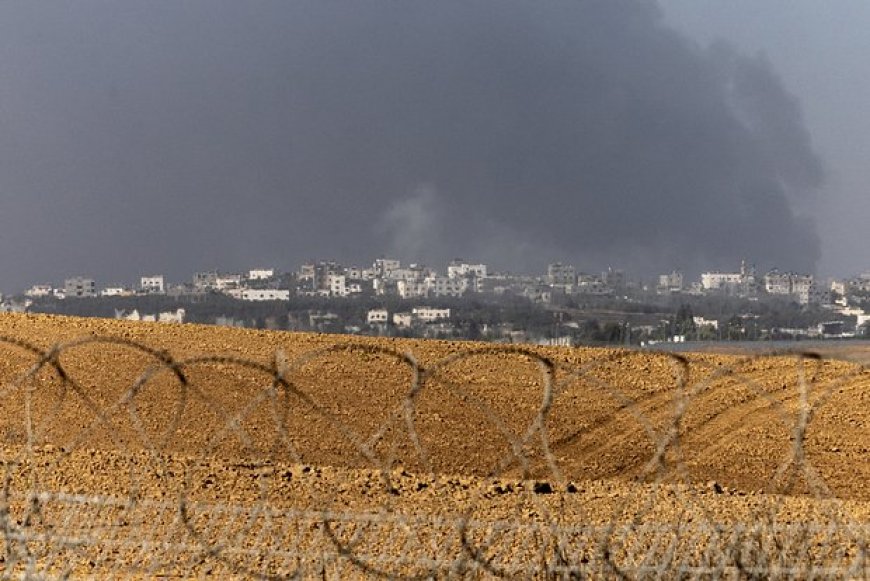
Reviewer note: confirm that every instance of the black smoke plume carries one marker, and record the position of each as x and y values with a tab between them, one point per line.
173	136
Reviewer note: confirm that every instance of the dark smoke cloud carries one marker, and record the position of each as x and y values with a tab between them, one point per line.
169	136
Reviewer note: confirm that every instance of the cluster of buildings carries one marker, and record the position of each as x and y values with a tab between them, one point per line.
389	277
408	319
840	304
317	278
747	283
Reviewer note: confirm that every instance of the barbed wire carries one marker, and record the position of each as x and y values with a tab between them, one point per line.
563	466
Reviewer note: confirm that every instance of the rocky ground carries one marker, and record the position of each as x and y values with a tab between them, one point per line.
148	450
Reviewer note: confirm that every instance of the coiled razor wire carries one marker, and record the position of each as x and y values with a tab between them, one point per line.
162	524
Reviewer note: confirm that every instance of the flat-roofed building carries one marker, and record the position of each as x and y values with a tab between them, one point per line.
152	284
79	286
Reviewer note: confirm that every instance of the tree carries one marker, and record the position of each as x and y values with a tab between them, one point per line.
684	320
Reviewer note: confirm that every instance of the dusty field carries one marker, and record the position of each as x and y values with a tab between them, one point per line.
260	453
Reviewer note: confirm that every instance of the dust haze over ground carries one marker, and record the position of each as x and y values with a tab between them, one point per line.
176	137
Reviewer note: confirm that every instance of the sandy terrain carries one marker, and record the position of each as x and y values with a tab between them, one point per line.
187	450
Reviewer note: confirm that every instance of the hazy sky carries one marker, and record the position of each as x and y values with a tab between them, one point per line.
168	137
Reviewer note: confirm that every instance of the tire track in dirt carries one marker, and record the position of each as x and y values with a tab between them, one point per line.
597	426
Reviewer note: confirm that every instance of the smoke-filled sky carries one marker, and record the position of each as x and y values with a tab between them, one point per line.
169	137
821	50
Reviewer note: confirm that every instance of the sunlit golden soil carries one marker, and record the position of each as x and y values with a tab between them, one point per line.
178	423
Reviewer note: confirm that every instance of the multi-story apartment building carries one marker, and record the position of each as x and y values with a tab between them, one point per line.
377	317
742	283
559	274
323	271
800	286
79	286
306	272
400	274
442	286
382	266
804	289
461	269
591	284
336	284
672	282
205	280
152	284
409	289
777	283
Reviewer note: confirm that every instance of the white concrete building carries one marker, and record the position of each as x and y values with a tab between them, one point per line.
672	282
39	290
804	288
442	286
409	274
461	269
566	341
152	284
430	314
701	322
408	289
377	317
115	291
261	273
128	316
337	285
171	317
403	320
382	266
79	286
205	280
777	283
227	281
800	286
306	271
720	280
259	295
176	316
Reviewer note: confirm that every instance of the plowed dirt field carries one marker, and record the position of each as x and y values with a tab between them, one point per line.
152	449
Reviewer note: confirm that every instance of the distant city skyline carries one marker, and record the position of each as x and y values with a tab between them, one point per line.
390	268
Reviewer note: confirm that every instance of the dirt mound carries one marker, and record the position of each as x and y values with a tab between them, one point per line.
443	407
